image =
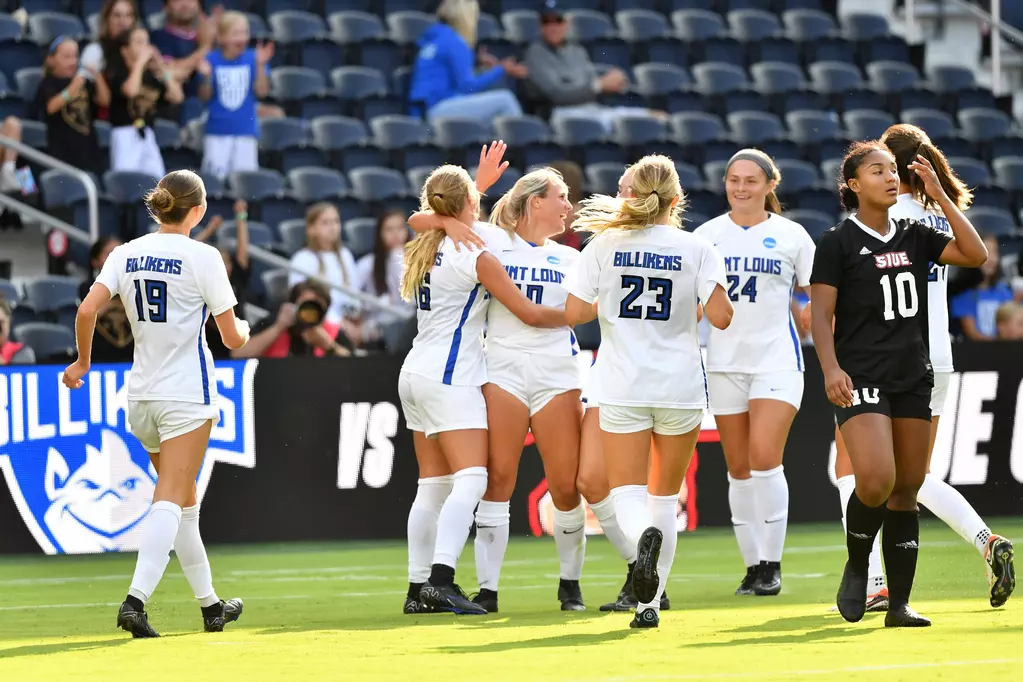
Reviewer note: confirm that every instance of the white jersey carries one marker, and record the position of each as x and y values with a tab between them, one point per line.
647	283
452	311
169	285
764	263
539	271
937	282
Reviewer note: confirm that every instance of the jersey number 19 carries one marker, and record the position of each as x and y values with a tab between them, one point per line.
905	292
155	300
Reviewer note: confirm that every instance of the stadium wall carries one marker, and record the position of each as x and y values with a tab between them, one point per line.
312	449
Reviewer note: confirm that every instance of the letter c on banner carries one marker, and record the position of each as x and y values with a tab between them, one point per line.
1016	452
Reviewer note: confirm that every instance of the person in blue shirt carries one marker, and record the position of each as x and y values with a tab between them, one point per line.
976	307
235	77
443	82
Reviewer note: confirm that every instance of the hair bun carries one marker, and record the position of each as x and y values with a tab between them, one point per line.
161	200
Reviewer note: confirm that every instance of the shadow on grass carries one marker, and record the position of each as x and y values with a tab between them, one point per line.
801	629
61	647
557	641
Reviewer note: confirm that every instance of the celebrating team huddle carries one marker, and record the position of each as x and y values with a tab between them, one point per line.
496	358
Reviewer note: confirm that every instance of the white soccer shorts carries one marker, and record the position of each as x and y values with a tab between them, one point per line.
434	407
665	421
155	421
224	154
591	389
533	378
939	394
730	392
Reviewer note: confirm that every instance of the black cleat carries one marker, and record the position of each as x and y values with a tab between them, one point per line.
768	582
1001	573
570	596
487	599
746	586
644	576
852	595
214	619
449	598
416	607
135	622
647	619
904	617
626	600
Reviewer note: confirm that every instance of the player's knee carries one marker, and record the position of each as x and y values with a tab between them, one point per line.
500	483
873	490
594	488
564	494
762	459
903	498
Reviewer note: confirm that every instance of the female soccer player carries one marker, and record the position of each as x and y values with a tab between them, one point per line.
647	274
170	283
755	367
869	280
440	380
905	142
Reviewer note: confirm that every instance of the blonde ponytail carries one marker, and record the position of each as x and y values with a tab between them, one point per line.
655	187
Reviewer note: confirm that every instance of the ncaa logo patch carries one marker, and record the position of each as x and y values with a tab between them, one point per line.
553	260
770	242
81	482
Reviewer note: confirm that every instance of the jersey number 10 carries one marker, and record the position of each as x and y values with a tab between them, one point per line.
905	292
155	296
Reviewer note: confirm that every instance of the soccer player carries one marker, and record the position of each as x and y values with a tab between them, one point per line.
647	274
755	366
905	142
170	284
869	322
440	380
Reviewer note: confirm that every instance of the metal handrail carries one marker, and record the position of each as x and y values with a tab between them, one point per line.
33	213
91	193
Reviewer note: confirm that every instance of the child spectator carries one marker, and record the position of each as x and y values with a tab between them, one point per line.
138	82
11	352
235	77
113	341
67	100
1009	322
238	271
286	335
115	17
379	272
984	291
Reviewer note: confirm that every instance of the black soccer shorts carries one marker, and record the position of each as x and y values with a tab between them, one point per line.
915	404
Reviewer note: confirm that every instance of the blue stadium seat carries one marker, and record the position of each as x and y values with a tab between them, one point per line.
617	6
734	5
61	189
823	200
831	169
659	80
983	125
751	128
43	27
993	221
290	27
397	132
256	185
753	25
128	187
417	177
892	77
867	124
15	56
692	220
258	30
602	178
971	171
807	25
275	283
488	28
641	25
378	184
10	29
695	128
587	25
406	26
310	184
292	239
676	5
1009	172
689	176
935	123
284	144
716	78
33	134
353	83
9	292
333	6
812	127
639	130
359	235
393	6
797	176
586	140
863	27
27	81
695	25
458	132
50	342
529	139
521	26
168	133
815	223
260	234
948	78
714	172
356	27
772	78
346	141
302	91
52	299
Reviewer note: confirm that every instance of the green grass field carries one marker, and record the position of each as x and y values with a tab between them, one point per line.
333	612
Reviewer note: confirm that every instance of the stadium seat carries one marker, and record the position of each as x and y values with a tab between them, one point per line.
359	235
355	27
128	187
18	55
835	77
992	221
734	5
529	140
258	30
27	81
807	25
602	178
50	342
459	132
714	172
256	185
276	134
295	86
406	26
586	140
689	176
641	25
797	176
292	234
396	132
812	127
290	27
892	77
61	189
587	25
417	177
750	128
1009	172
521	26
863	27
276	284
310	184
378	184
9	292
52	298
971	171
772	78
10	29
697	128
867	124
355	85
936	123
697	25
657	80
675	5
260	234
983	125
754	25
715	78
488	28
815	223
43	27
346	141
639	130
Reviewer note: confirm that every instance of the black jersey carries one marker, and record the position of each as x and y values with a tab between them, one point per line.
881	332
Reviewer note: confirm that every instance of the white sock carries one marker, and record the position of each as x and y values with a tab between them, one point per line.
605	513
771	501
570	539
422	525
632	511
455	520
154	549
192	557
492	526
950	506
875	570
742	501
664	511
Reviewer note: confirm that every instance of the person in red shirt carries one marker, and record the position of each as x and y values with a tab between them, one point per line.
299	328
11	352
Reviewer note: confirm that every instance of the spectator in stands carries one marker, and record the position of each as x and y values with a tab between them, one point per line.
113	341
563	76
185	38
67	100
238	270
324	256
139	81
1009	322
234	78
287	335
573	177
984	290
12	352
115	17
443	82
379	272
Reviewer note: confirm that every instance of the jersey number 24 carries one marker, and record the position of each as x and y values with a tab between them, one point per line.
904	291
661	287
151	297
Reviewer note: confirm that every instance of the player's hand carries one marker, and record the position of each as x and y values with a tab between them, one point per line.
243	330
805	318
461	234
241	206
73	375
491	166
925	171
205	69
286	315
839	387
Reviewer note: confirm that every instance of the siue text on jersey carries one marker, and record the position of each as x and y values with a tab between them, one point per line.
896	259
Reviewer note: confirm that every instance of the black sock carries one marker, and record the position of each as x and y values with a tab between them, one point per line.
213	610
135	603
862	525
413	590
441	575
900	545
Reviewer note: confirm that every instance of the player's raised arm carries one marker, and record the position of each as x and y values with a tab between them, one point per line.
966	248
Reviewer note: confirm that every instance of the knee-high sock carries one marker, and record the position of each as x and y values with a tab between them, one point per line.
901	542
492	525
862	526
455	520
154	549
743	504
949	505
192	557
875	571
771	502
664	511
604	510
570	539
632	511
422	525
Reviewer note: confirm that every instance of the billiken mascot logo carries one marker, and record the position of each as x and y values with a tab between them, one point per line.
81	481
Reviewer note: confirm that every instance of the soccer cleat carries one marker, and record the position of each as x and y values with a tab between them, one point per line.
644	576
135	622
626	600
768	581
905	617
746	586
487	599
1001	573
449	598
852	595
229	612
646	619
416	607
570	596
878	602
